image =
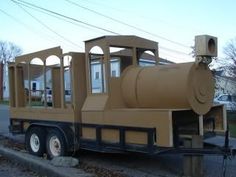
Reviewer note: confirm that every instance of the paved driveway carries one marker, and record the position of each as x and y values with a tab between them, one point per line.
4	119
4	123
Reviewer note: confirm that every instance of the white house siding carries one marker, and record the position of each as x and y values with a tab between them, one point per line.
5	82
67	80
96	74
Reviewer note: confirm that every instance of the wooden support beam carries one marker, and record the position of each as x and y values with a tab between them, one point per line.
197	161
187	161
193	165
201	131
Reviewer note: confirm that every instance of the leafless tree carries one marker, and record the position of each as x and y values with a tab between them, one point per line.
230	53
8	51
193	51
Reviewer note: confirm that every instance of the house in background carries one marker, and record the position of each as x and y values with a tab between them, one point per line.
224	84
4	82
2	87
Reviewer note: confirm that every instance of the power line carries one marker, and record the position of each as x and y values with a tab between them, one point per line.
57	17
47	27
171	56
126	24
27	26
67	17
164	48
172	50
131	12
15	19
53	13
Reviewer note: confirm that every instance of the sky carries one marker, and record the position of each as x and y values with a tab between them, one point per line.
171	23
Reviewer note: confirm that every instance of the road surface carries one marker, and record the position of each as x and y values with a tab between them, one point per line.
9	169
4	119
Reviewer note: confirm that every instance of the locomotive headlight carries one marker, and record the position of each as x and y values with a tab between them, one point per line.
206	46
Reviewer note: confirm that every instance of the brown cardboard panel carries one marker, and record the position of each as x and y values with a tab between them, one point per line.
89	133
96	102
147	118
43	55
47	114
12	86
56	87
219	113
123	41
141	137
111	136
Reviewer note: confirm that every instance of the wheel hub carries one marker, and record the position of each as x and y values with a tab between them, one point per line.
55	146
34	143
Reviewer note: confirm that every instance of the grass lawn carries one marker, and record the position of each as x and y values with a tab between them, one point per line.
232	123
231	116
33	103
232	128
4	102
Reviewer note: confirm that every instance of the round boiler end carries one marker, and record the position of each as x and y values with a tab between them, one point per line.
200	89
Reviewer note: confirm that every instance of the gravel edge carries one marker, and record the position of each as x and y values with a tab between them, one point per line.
41	166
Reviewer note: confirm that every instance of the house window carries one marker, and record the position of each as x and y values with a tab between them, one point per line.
34	86
97	75
113	73
97	70
115	67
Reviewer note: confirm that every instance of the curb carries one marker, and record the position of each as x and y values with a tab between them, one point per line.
41	166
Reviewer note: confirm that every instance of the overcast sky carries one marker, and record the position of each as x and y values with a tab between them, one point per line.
172	23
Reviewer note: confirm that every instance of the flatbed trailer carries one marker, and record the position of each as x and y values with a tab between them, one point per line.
142	109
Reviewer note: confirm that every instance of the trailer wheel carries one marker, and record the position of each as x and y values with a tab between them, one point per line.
56	144
35	141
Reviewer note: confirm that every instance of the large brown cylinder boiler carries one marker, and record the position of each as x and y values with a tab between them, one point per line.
175	86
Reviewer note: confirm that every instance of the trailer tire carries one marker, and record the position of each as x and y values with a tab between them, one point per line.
35	141
55	144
